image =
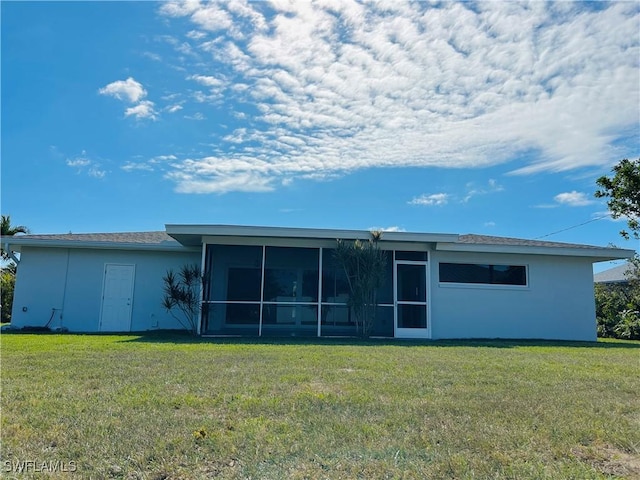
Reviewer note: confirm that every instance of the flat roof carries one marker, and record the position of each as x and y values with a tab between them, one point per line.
191	234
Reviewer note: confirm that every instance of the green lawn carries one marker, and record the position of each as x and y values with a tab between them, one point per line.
162	406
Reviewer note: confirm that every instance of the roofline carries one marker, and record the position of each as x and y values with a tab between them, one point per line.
181	230
597	254
16	243
190	238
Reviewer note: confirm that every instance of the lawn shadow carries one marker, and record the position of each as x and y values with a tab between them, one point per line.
185	338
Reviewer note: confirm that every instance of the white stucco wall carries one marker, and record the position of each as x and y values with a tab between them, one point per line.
558	302
70	280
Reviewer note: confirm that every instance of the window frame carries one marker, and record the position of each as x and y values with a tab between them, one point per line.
491	286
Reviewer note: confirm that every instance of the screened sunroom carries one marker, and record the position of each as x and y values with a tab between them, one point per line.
269	281
264	290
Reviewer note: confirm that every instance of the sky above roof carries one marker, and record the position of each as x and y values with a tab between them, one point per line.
479	117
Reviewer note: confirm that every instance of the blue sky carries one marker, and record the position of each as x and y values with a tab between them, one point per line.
491	117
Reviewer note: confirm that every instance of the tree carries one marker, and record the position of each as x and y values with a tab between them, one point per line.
8	270
623	192
618	305
618	309
364	266
182	294
8	230
8	281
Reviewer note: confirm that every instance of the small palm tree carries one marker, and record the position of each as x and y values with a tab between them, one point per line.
182	296
364	266
7	230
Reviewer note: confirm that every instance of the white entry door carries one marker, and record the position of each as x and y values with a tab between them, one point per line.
117	298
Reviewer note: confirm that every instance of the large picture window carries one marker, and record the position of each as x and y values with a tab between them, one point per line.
483	274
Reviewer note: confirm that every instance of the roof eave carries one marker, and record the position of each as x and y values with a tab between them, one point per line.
17	244
192	234
595	254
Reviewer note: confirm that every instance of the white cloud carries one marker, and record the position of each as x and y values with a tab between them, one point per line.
573	199
96	172
131	166
188	182
127	90
207	80
144	109
153	56
179	8
393	228
408	84
163	158
195	116
473	191
436	199
606	215
489	224
84	165
174	108
78	162
132	92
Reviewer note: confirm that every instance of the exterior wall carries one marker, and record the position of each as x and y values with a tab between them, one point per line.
557	303
71	280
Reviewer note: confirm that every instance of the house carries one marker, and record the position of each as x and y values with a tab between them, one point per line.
619	274
262	281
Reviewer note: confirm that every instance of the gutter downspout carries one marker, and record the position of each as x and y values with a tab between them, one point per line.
12	256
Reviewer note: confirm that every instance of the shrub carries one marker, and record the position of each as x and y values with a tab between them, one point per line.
6	289
617	307
182	294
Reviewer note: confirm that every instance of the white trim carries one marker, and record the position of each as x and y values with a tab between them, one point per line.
178	230
320	291
411	332
598	254
203	259
264	256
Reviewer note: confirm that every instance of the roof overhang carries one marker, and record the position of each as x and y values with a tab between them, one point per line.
15	244
595	254
193	235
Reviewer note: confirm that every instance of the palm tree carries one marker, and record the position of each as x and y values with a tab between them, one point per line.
7	267
7	230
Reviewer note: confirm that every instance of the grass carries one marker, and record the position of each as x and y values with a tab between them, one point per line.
162	406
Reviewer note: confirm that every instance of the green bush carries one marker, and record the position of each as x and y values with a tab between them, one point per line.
617	310
6	289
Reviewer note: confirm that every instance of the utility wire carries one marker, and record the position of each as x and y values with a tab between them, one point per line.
574	226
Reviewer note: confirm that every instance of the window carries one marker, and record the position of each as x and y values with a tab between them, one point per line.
291	274
335	286
232	283
483	274
414	256
233	273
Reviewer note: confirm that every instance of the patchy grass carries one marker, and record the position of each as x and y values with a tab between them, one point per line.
160	407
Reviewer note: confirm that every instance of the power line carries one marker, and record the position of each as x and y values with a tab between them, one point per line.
574	226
